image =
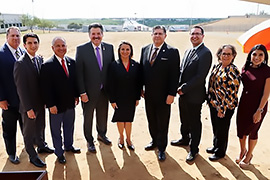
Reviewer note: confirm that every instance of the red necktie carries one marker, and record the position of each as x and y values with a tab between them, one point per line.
64	66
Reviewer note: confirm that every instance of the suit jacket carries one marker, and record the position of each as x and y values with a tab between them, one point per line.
193	72
124	87
27	81
8	90
58	89
160	79
89	77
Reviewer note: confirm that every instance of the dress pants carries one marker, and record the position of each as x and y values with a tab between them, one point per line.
221	128
191	125
101	105
9	125
33	132
57	121
158	116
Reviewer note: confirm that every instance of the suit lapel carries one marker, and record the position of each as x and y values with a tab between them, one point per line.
9	52
30	63
148	54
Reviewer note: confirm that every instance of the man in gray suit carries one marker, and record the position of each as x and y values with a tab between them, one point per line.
92	61
193	71
26	76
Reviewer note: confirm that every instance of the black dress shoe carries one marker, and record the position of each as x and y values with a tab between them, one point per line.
38	162
92	148
62	159
74	150
161	156
130	146
14	159
211	150
104	139
150	146
214	157
180	142
121	146
191	157
45	149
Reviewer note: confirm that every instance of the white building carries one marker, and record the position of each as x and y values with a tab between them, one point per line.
131	25
8	20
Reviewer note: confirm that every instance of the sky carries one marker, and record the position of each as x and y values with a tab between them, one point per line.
65	9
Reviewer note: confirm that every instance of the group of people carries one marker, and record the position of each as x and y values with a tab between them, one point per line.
28	85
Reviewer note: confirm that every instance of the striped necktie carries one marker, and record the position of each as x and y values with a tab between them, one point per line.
17	54
153	57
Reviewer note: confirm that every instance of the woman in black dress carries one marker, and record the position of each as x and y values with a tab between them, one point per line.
124	91
253	102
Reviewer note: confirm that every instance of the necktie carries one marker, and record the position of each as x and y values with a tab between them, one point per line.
189	56
36	64
191	53
64	66
17	54
98	58
153	57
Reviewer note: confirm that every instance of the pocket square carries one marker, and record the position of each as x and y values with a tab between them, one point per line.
164	59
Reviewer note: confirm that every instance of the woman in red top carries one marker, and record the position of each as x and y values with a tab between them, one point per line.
124	91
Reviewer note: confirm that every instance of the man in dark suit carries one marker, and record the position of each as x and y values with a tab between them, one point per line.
58	82
26	76
160	64
92	62
193	71
9	100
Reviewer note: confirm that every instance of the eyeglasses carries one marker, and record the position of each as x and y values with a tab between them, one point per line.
195	34
226	54
158	34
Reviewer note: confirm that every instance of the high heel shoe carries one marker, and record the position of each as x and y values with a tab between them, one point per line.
244	165
120	145
239	159
130	146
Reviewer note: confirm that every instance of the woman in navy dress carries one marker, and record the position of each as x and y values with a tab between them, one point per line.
124	91
253	102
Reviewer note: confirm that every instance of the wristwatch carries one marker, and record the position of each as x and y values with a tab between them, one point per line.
261	110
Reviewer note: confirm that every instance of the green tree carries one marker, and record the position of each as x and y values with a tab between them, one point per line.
30	21
74	26
43	23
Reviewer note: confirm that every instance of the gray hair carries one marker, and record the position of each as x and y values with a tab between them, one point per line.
56	38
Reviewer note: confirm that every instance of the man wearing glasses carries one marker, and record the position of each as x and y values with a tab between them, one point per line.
193	71
160	63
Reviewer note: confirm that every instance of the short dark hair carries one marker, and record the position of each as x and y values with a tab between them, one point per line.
231	47
95	25
159	27
256	47
131	49
199	27
12	27
32	35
